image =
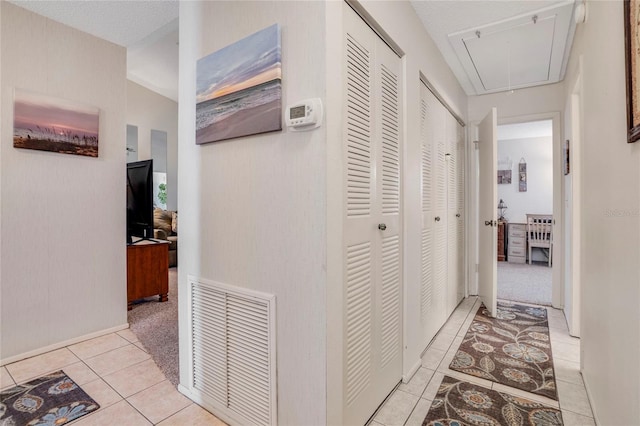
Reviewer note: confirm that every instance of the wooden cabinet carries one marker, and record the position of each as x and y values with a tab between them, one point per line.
147	270
517	243
501	241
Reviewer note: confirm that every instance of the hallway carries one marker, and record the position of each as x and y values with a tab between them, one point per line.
409	403
118	373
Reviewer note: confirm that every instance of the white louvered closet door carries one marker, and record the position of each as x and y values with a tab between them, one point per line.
372	346
428	306
442	238
460	196
452	211
440	212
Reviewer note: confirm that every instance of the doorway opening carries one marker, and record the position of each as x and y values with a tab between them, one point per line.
525	211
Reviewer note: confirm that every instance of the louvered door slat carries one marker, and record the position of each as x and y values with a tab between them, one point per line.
390	143
441	182
390	298
358	129
358	327
427	165
426	285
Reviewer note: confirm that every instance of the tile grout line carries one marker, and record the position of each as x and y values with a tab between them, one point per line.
122	397
126	399
105	352
493	384
471	309
102	378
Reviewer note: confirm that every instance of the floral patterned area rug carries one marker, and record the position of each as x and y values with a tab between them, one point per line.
462	403
53	399
512	349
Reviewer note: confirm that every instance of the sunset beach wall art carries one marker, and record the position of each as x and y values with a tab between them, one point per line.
52	124
239	88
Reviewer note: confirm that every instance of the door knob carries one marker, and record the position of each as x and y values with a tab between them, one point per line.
490	223
437	218
457	214
382	226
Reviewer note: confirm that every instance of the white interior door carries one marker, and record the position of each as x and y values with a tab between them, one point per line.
372	346
487	211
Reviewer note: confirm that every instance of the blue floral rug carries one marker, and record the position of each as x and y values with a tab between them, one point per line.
513	349
53	399
460	403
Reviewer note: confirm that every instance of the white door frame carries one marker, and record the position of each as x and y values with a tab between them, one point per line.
557	292
572	255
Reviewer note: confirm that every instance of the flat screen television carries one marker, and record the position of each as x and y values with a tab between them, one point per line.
140	200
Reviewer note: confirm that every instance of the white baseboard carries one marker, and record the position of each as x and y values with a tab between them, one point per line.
412	371
59	345
593	407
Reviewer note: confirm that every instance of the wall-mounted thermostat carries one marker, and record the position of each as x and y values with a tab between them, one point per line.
304	115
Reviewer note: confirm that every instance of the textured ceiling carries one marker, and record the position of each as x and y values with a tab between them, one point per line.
120	22
442	18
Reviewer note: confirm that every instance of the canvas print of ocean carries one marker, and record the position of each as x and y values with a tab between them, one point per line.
239	89
52	124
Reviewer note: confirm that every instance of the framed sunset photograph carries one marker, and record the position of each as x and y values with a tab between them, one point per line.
53	124
239	88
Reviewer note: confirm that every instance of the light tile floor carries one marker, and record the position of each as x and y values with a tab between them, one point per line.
120	375
410	402
116	371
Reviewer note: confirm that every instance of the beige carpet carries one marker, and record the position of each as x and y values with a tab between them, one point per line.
525	283
156	325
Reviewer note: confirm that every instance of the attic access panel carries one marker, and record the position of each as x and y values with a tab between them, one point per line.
515	56
523	51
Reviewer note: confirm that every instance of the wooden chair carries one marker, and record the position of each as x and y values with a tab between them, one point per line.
540	233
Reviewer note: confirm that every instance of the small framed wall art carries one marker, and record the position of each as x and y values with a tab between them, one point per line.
522	176
504	177
47	123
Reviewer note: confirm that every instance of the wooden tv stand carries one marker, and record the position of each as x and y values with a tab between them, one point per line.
147	270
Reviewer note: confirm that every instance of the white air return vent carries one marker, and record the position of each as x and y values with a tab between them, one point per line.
524	51
233	362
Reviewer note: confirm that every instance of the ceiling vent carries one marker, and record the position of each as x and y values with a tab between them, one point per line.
524	51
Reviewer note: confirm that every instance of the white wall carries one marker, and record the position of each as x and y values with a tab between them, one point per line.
253	209
522	102
63	264
150	111
538	199
610	228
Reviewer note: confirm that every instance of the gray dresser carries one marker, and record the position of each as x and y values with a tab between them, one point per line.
517	243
